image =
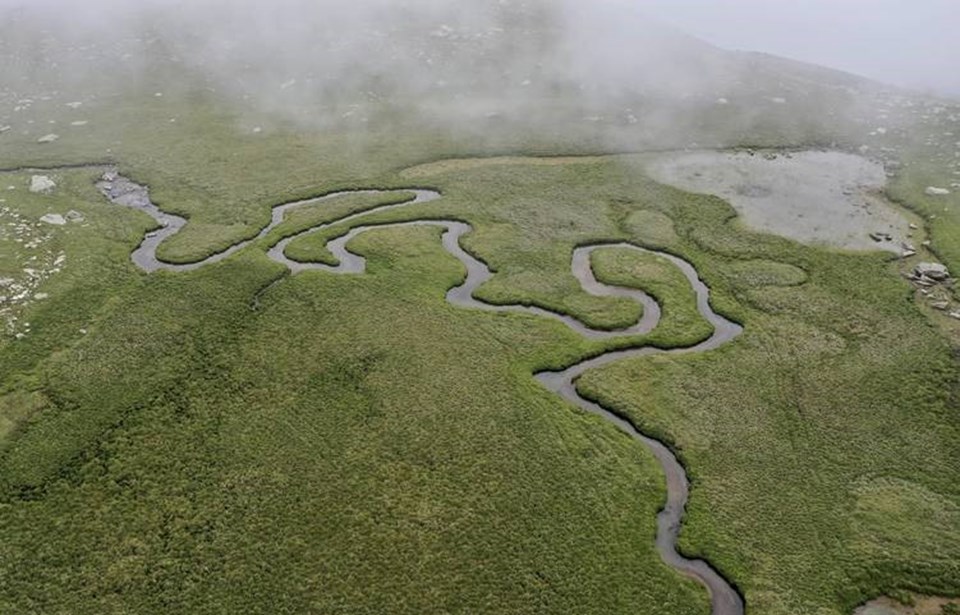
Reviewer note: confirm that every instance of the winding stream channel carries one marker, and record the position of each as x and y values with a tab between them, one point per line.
725	599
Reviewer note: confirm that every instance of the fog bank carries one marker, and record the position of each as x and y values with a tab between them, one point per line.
908	43
550	67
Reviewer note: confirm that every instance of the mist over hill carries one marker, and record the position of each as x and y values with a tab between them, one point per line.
547	68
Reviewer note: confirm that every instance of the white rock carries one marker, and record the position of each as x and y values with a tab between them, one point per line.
723	101
934	271
933	191
55	219
50	138
74	105
79	123
41	296
42	183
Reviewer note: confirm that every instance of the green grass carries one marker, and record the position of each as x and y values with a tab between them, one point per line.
810	486
939	212
367	454
95	270
650	228
357	445
680	322
749	275
313	249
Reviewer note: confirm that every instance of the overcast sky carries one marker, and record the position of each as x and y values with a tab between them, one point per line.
914	43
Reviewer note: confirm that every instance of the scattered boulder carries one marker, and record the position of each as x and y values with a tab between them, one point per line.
4	129
74	216
50	138
940	305
55	219
934	191
42	184
931	271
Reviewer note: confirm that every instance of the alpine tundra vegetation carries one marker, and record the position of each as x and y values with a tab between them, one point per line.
522	307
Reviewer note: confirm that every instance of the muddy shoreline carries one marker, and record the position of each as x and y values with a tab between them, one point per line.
827	198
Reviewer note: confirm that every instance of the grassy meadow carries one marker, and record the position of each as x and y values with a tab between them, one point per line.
354	444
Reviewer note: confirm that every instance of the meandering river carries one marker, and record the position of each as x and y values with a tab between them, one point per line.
724	598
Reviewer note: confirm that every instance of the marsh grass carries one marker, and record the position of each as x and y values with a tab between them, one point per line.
357	444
